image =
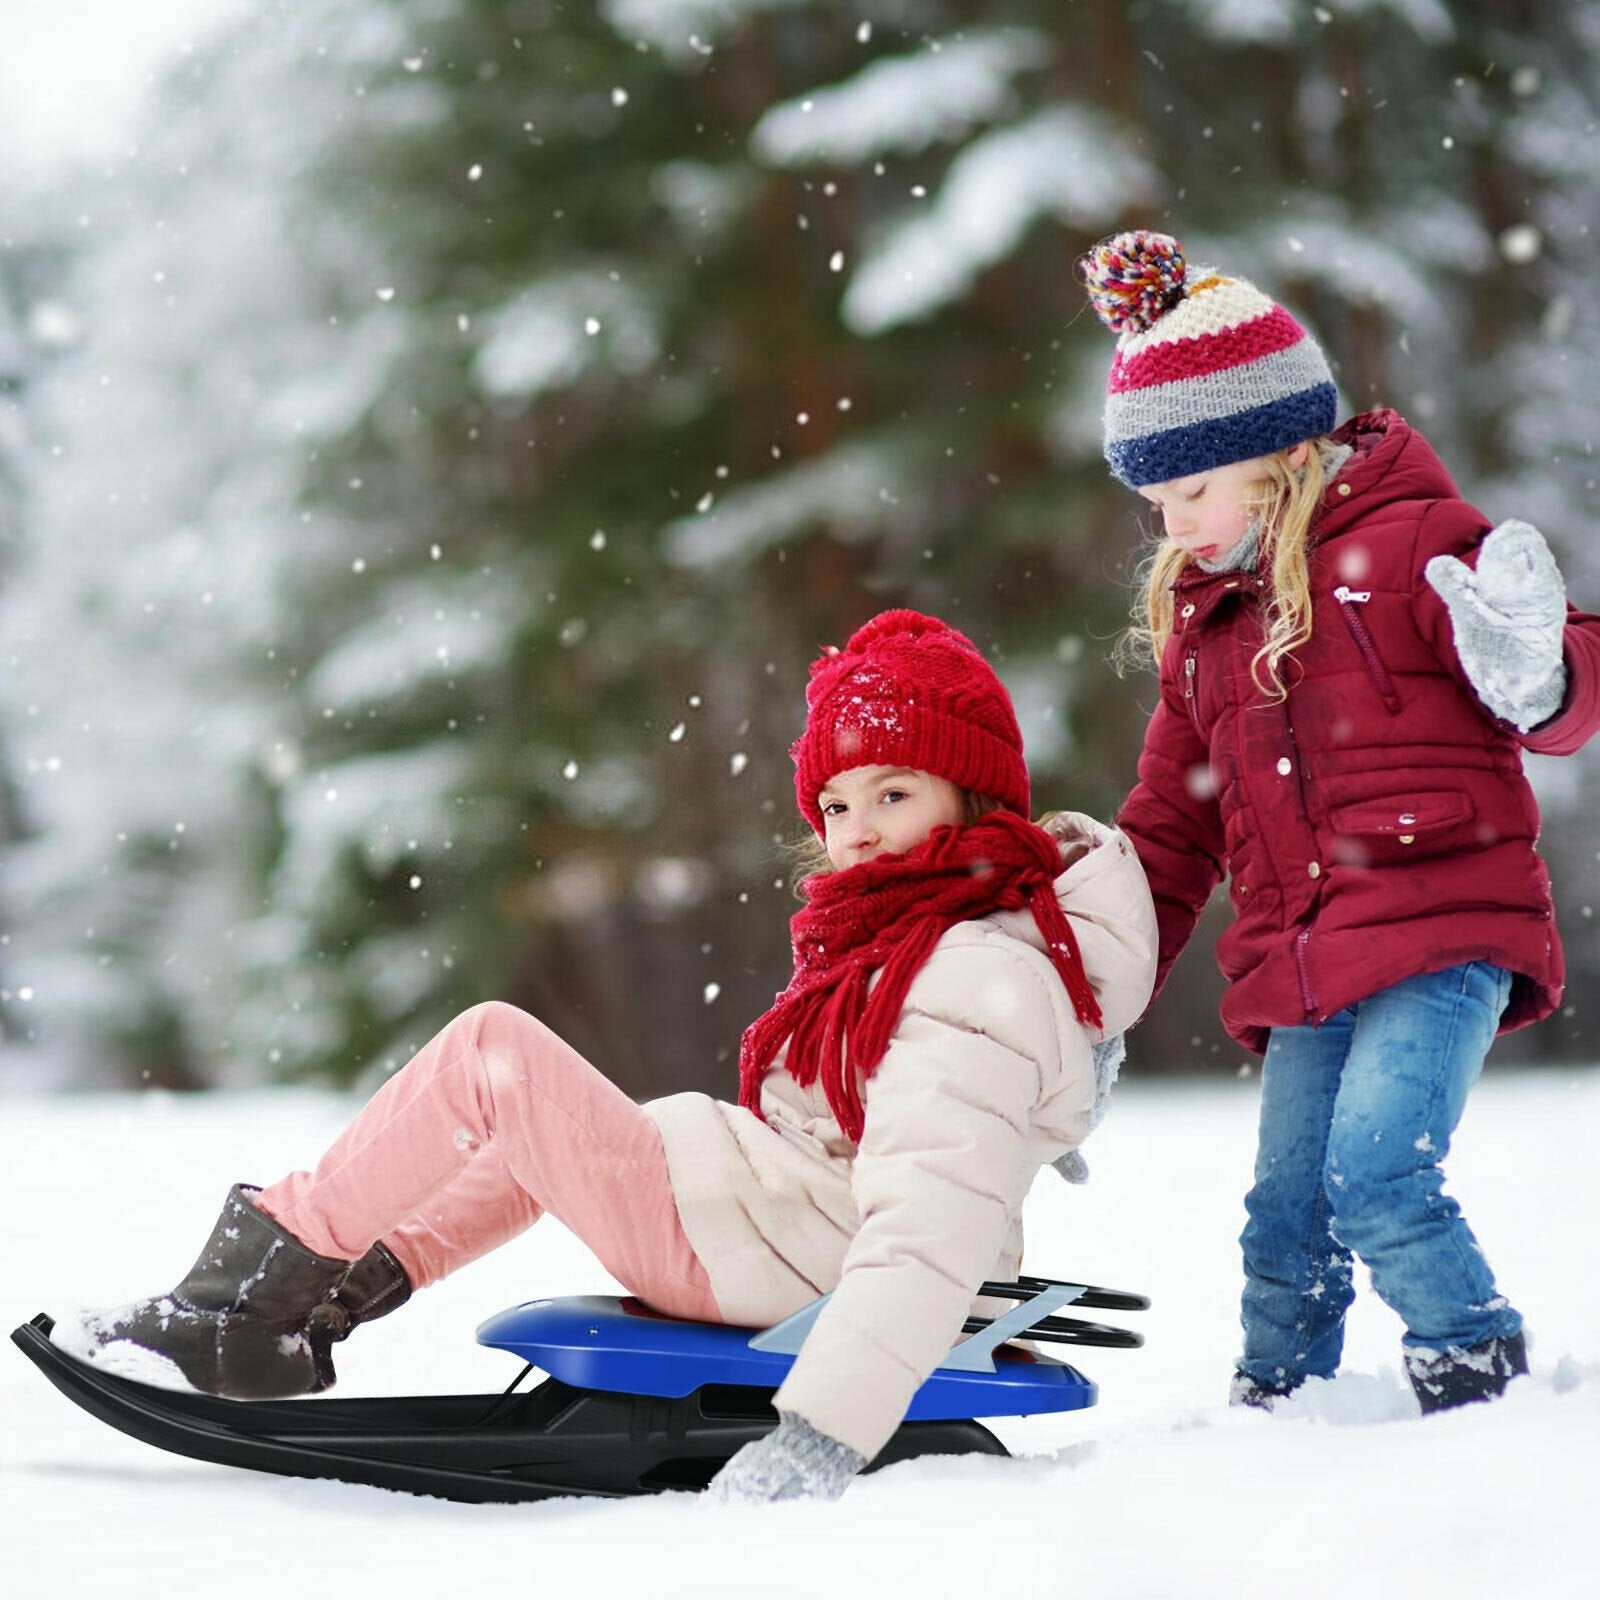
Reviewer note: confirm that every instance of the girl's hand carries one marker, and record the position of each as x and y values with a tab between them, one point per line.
1508	618
794	1462
1109	1054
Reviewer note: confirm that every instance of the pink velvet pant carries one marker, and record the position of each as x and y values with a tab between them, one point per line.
494	1122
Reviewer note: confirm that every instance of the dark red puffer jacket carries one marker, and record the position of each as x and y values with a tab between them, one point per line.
1376	824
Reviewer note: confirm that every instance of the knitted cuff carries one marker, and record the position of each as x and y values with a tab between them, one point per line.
1525	711
794	1462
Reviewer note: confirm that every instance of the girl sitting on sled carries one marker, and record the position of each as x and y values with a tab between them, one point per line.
934	1047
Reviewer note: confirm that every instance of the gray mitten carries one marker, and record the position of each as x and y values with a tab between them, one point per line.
1109	1055
794	1462
1508	618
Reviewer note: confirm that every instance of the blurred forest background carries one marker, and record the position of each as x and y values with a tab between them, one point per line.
430	458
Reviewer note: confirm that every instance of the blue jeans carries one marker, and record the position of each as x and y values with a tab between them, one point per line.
1356	1116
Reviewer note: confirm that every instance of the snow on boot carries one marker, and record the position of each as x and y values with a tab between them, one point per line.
377	1285
238	1325
1444	1379
1244	1390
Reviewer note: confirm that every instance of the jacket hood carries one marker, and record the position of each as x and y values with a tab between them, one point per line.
1103	890
1392	464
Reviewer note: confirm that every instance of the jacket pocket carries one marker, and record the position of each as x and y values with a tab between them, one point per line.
1398	828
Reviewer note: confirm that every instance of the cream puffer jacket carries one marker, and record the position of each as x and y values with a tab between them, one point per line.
989	1076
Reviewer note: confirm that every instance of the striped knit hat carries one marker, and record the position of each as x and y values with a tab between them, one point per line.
1208	369
909	691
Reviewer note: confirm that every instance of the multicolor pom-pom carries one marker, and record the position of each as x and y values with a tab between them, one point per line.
1134	278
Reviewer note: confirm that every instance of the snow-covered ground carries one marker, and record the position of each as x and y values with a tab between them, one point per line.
1158	1492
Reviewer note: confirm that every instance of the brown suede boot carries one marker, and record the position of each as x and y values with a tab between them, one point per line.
239	1325
377	1285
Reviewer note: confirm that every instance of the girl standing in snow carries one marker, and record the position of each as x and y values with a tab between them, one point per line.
933	1048
1351	664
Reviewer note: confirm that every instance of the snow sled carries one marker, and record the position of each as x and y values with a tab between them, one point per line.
633	1402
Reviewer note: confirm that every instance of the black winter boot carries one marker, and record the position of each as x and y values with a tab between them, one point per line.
1258	1396
377	1285
1444	1379
238	1325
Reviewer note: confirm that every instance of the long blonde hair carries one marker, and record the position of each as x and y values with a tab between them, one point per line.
1283	504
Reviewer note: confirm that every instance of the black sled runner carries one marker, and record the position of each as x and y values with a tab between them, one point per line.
632	1402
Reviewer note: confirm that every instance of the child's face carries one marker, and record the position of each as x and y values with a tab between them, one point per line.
1206	514
878	811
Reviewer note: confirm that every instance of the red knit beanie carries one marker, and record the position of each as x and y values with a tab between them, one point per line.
909	691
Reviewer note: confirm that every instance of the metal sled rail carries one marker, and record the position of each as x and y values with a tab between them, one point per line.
1068	1330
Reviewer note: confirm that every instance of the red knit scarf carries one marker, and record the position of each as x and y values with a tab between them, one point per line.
885	916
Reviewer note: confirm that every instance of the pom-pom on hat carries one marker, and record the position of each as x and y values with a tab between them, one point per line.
1208	369
909	691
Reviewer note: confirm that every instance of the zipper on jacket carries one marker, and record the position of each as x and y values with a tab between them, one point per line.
1307	994
1191	688
1349	599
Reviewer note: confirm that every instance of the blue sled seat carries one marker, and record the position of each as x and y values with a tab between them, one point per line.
619	1345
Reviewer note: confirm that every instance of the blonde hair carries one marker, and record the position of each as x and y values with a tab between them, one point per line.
1283	504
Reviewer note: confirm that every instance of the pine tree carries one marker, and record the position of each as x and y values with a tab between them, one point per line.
507	400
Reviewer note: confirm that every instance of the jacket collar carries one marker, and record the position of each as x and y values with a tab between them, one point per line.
1196	594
